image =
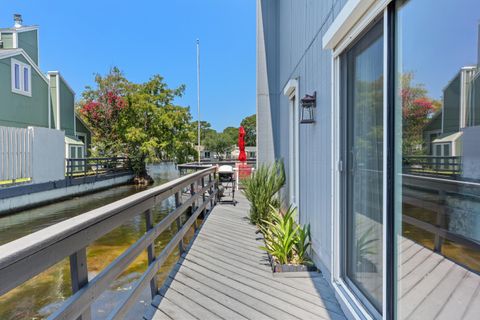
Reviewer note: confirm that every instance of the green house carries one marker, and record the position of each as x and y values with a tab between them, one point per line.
32	98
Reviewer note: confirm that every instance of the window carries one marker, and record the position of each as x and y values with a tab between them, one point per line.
362	217
21	78
291	91
438	210
429	223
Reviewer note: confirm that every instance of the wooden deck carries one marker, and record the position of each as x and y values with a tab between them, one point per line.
433	287
224	275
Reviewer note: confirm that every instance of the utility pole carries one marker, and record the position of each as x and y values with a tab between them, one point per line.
198	96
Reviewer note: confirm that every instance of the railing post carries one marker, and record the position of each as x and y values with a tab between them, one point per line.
216	188
194	205
441	221
203	196
210	190
151	251
178	203
79	276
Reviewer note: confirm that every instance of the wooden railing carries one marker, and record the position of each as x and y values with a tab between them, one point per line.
433	165
83	167
431	194
22	259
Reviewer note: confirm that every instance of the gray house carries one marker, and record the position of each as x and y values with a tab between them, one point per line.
383	238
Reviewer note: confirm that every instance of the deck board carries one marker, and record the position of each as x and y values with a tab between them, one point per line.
225	275
434	287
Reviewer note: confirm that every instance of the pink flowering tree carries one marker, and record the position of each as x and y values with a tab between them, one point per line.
417	109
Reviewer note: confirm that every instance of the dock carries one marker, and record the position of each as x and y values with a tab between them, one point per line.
225	275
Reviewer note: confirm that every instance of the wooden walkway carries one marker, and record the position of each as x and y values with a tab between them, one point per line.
433	287
224	275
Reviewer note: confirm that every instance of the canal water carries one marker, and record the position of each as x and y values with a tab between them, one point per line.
42	295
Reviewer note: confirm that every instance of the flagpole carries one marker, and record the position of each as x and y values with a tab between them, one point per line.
198	96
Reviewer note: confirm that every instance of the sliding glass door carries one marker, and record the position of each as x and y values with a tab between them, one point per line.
362	76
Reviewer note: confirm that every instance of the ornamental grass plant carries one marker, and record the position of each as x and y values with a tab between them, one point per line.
261	190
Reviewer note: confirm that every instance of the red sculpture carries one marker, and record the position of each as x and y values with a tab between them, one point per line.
242	157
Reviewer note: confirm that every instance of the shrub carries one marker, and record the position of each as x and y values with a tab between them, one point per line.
284	239
261	189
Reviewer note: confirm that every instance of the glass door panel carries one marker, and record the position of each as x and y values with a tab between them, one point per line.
363	177
437	207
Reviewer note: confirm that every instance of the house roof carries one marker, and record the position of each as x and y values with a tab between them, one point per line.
448	137
74	141
7	53
77	116
57	73
20	29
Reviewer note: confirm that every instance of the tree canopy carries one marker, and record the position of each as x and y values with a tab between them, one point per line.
139	121
250	126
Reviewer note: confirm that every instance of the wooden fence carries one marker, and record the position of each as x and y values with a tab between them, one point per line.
22	259
15	155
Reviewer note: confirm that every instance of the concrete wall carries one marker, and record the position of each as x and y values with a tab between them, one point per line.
289	44
25	201
48	155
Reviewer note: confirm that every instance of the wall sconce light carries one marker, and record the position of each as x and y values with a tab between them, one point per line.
308	104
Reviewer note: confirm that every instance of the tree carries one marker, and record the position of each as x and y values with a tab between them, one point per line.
231	134
417	109
137	120
250	126
219	143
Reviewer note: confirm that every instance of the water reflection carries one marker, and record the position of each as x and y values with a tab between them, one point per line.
40	296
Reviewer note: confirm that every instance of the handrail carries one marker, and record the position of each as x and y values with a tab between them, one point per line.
82	167
26	257
442	188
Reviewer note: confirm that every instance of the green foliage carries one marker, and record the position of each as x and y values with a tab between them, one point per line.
139	121
231	134
220	143
261	189
284	239
303	242
250	126
280	234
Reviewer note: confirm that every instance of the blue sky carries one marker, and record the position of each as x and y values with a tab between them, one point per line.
80	38
439	38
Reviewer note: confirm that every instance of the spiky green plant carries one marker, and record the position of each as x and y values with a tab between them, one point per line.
284	239
303	243
280	234
261	190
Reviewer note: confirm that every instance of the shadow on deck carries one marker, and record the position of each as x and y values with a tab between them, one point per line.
224	275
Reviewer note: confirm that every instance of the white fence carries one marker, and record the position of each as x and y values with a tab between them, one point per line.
15	154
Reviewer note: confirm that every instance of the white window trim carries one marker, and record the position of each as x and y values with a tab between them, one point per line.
354	18
22	66
291	91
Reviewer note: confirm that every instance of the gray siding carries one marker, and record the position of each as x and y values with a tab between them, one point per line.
451	106
290	40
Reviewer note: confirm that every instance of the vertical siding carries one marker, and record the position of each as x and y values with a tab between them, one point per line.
18	110
67	102
301	26
28	41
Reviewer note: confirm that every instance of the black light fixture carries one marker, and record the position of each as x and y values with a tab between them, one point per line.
308	104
